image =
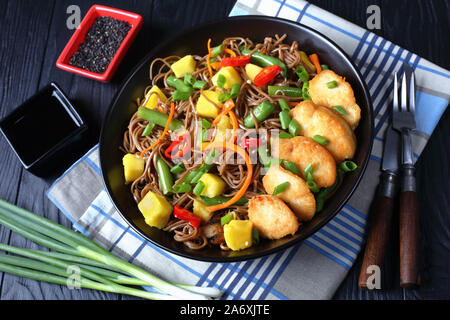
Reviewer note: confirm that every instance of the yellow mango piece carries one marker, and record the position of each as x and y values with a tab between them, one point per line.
214	185
155	209
183	66
202	211
223	128
153	100
252	70
231	76
238	234
133	167
205	108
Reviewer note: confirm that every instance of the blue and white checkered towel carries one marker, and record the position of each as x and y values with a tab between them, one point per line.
314	268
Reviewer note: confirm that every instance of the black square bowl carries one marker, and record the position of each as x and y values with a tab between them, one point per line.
42	130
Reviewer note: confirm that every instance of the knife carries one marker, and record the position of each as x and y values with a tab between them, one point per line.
382	210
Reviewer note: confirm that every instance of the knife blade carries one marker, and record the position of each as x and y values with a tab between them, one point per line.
380	223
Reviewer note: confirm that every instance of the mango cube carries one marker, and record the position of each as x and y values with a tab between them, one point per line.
133	167
183	66
202	211
238	234
205	108
252	70
223	127
155	209
214	185
153	100
231	77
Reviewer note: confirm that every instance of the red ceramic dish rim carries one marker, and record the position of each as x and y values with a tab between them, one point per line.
134	19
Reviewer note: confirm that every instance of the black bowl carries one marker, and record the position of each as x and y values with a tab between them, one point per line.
194	41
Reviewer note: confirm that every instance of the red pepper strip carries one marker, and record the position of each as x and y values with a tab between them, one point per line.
182	145
187	216
250	143
267	74
239	61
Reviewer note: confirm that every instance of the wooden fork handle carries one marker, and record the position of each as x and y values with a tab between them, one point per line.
380	227
409	230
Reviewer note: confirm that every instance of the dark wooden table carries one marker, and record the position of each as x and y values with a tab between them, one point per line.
33	34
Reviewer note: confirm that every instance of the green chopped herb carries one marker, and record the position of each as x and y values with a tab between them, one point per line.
332	84
320	140
294	128
305	91
280	188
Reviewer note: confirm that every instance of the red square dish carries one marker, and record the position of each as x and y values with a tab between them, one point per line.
96	11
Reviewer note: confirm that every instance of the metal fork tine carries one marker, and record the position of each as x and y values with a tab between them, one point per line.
404	91
395	106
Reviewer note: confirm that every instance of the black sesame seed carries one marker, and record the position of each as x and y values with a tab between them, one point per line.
100	44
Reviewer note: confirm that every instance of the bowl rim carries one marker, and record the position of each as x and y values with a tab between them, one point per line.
365	93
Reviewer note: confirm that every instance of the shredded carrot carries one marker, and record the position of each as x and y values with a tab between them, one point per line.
216	65
228	105
208	63
263	51
230	52
166	129
247	181
315	60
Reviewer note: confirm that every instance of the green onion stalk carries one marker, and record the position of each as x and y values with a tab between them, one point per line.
74	247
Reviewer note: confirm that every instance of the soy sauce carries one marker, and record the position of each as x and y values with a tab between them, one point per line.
40	125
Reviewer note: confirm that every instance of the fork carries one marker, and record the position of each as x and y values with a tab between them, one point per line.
404	121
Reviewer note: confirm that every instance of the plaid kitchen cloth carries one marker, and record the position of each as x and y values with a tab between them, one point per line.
314	268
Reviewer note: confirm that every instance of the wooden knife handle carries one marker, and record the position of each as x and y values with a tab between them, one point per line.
377	239
380	227
409	239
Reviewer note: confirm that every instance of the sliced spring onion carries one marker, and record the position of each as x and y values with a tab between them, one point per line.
198	189
280	188
255	236
305	91
221	80
178	84
284	105
178	95
312	185
179	168
294	128
325	67
264	155
348	166
302	73
199	84
340	110
285	119
216	51
159	118
148	129
291	166
320	140
286	91
308	168
332	84
222	199
235	88
227	218
182	188
284	135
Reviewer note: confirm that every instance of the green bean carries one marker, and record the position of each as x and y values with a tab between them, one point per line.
159	118
265	60
164	176
261	113
216	51
182	188
285	119
307	62
179	168
287	91
222	199
148	129
178	84
294	128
